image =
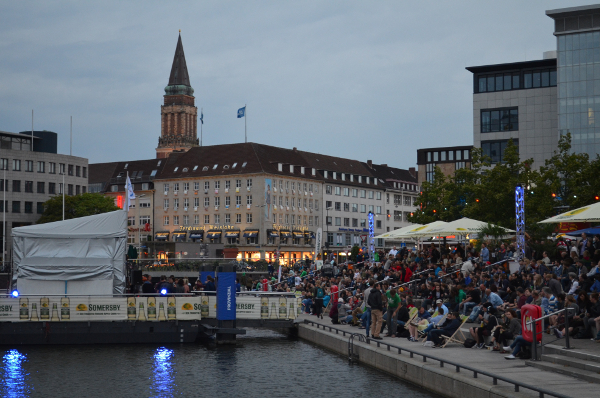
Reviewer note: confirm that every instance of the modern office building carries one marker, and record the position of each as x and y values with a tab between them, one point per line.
448	159
516	101
33	172
577	30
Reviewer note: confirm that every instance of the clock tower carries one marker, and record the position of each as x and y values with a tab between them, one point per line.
179	115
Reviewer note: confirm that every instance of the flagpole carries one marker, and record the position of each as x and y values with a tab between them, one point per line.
245	117
201	123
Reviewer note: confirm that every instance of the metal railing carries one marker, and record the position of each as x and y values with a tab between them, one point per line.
533	323
476	372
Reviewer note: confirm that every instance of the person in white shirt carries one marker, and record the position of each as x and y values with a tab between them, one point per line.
393	252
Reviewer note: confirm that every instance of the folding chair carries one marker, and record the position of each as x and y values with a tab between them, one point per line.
441	322
448	339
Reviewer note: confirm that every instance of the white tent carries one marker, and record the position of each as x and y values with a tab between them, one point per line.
589	213
79	256
466	226
431	229
398	232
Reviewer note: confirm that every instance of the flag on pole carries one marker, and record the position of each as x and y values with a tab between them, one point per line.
129	194
201	117
279	276
241	112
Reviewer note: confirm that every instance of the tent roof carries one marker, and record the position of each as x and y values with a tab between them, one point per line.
431	229
398	232
106	225
586	213
466	226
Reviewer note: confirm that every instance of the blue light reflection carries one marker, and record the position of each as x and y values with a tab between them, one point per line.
14	375
163	372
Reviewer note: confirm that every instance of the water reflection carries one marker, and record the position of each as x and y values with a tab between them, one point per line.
14	375
163	372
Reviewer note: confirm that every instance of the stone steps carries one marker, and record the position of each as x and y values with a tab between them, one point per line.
585	375
574	363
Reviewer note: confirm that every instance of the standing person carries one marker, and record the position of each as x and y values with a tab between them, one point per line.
319	295
393	303
376	304
485	253
367	314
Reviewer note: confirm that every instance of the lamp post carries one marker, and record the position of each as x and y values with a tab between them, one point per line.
327	227
63	191
261	228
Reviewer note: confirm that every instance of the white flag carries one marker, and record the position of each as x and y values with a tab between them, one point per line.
279	276
129	194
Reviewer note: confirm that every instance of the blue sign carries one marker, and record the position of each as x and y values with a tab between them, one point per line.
226	296
204	274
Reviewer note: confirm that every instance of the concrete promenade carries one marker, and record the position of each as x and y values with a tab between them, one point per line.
445	380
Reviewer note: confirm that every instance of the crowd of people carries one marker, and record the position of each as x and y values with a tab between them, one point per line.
431	293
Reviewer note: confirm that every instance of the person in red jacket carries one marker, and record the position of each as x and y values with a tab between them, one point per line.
407	274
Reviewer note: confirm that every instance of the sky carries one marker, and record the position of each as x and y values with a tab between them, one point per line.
358	79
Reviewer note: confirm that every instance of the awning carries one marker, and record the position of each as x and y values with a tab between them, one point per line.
298	234
285	234
161	236
309	235
196	235
213	234
251	233
179	235
232	234
273	234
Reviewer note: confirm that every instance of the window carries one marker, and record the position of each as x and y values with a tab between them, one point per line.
227	218
371	194
346	191
217	218
196	185
338	206
503	119
217	201
206	219
371	209
249	199
40	207
316	220
29	186
145	186
227	184
378	210
70	169
78	171
206	202
166	220
52	188
41	187
16	165
196	202
238	218
515	80
206	185
328	189
16	186
363	193
186	220
85	172
363	223
355	193
363	208
378	224
354	207
175	220
41	167
166	188
328	204
29	207
338	221
186	203
238	183
3	164
378	196
130	221
249	183
227	200
29	165
196	219
346	206
16	206
407	201
328	220
61	188
61	168
217	184
175	187
186	186
338	191
166	204
144	220
495	149
248	218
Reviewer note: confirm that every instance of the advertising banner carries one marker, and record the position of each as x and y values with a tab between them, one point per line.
226	296
318	243
268	185
268	307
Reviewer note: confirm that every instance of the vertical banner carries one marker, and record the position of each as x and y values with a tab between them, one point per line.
318	243
268	199
226	296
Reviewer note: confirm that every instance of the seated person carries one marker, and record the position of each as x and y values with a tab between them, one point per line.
507	330
488	322
435	335
421	319
433	321
516	347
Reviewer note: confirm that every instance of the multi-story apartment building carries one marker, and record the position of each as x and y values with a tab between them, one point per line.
31	174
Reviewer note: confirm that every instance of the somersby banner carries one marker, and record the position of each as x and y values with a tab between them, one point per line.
89	308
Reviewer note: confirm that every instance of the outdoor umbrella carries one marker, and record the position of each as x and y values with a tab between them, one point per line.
431	229
589	213
587	231
398	232
467	226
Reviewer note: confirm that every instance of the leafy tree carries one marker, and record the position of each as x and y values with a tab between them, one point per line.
86	204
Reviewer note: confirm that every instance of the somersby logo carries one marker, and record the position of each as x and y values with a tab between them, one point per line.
572	213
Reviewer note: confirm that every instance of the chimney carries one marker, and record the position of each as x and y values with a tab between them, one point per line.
295	149
412	172
384	164
370	164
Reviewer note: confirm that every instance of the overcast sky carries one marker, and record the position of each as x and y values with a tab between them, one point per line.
359	79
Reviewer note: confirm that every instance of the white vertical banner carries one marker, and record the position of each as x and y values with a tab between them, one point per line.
318	242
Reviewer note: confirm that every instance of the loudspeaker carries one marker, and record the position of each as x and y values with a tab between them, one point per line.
137	277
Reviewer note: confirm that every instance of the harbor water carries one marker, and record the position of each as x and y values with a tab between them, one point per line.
264	363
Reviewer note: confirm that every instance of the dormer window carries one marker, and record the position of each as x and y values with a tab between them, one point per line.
226	167
126	164
195	168
233	166
302	169
279	166
175	169
159	162
291	168
185	170
205	168
244	164
215	166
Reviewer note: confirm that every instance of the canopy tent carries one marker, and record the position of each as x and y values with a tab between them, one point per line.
398	232
587	231
467	226
589	213
431	229
79	256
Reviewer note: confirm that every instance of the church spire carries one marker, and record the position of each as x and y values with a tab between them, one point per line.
179	80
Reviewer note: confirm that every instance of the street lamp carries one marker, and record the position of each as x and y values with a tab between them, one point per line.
327	226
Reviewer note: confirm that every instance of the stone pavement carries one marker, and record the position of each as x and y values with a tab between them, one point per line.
485	360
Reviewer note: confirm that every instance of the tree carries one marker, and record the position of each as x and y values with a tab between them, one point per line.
86	204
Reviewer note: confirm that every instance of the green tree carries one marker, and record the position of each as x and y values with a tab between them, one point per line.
86	204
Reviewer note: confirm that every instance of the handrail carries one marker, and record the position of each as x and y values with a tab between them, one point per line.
476	372
549	315
533	323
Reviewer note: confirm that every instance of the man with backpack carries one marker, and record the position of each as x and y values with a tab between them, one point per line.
319	294
376	304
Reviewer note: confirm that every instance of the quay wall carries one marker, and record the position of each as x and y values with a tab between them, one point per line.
429	375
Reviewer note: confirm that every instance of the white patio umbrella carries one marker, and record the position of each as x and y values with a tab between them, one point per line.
589	213
394	234
431	229
467	226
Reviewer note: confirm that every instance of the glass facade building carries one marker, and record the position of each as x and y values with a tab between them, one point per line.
579	90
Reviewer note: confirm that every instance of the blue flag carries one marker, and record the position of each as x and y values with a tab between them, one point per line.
241	112
201	118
